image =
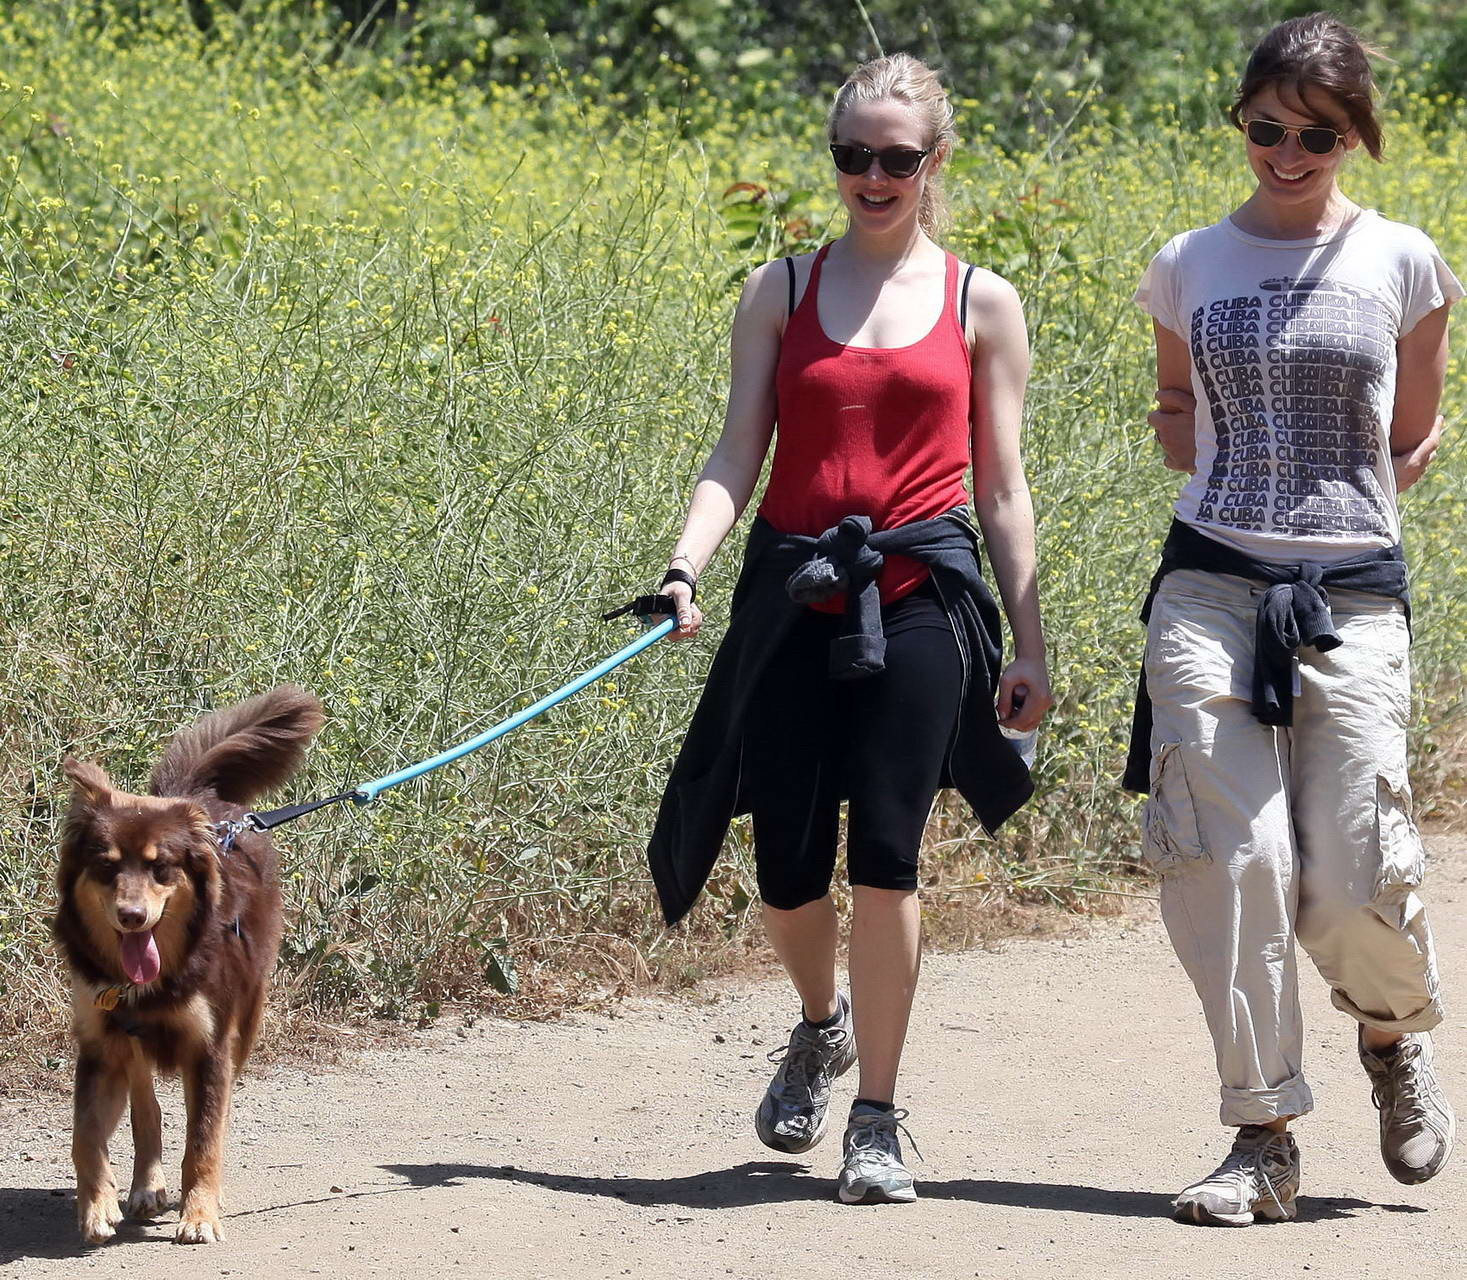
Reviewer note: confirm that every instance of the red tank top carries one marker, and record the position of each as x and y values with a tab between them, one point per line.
874	431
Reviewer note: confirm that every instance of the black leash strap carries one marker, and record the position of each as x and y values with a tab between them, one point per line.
644	607
276	817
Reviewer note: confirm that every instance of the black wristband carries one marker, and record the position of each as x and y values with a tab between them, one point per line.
683	576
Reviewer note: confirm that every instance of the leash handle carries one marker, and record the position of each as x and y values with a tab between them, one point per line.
275	817
644	607
369	791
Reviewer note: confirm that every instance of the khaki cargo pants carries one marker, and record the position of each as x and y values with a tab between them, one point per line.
1266	836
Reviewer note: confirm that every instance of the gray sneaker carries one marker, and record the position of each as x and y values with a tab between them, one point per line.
792	1115
872	1171
1259	1179
1416	1121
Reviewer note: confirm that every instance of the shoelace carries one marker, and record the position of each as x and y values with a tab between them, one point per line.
806	1056
1403	1079
871	1127
1238	1162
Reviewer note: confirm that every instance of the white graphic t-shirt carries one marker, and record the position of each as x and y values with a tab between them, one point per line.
1294	368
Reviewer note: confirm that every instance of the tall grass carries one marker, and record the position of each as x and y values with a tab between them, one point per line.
343	374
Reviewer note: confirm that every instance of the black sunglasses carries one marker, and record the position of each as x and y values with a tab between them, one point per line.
896	162
1316	139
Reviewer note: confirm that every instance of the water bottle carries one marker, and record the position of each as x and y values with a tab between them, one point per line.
1023	741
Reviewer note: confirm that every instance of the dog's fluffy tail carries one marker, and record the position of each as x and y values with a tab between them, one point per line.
242	751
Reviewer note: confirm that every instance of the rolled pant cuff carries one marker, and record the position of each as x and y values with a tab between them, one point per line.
1259	1106
1423	1019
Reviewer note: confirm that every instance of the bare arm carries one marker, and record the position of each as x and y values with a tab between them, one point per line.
1174	418
1001	493
727	480
1421	369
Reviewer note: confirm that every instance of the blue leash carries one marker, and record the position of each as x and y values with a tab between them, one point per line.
369	791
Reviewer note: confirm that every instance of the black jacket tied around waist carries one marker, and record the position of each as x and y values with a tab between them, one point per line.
781	572
1292	612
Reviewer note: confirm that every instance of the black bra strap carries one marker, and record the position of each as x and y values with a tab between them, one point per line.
963	298
790	263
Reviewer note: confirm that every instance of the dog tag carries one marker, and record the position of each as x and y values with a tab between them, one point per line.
108	998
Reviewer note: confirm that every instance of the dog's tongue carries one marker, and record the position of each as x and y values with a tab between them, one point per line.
139	956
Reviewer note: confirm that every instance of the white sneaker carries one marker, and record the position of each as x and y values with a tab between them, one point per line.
1259	1179
1417	1126
791	1115
872	1171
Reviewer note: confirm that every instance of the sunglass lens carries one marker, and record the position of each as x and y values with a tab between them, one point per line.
1264	133
901	162
1318	142
896	162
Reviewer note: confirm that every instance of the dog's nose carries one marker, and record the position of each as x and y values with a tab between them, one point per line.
131	917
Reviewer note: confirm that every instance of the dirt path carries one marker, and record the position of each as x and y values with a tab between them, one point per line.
1060	1090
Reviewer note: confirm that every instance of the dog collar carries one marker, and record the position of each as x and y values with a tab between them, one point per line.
109	998
228	832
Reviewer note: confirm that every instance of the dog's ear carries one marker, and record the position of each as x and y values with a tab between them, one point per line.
202	842
90	784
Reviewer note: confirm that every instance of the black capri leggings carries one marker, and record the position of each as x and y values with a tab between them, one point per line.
810	740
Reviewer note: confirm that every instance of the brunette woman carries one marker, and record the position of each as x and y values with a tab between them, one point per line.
1271	727
862	662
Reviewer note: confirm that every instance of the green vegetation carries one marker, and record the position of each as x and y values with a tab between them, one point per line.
1013	57
356	371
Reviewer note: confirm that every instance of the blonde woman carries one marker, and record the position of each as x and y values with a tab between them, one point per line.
862	662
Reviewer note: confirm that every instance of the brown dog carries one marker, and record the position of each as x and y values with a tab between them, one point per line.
171	937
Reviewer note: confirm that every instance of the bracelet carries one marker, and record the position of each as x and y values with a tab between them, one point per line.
682	556
687	579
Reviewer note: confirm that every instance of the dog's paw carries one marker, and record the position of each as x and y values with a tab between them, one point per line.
147	1202
199	1229
98	1220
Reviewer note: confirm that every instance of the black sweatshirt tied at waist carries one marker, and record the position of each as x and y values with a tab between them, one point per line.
1292	612
779	572
848	558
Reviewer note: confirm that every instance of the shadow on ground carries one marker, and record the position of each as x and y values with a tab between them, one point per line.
37	1223
752	1183
771	1182
40	1223
1120	1204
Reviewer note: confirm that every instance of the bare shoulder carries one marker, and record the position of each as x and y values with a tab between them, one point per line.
766	295
991	297
765	290
995	325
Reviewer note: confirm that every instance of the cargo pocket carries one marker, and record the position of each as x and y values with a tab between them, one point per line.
1402	856
1170	838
